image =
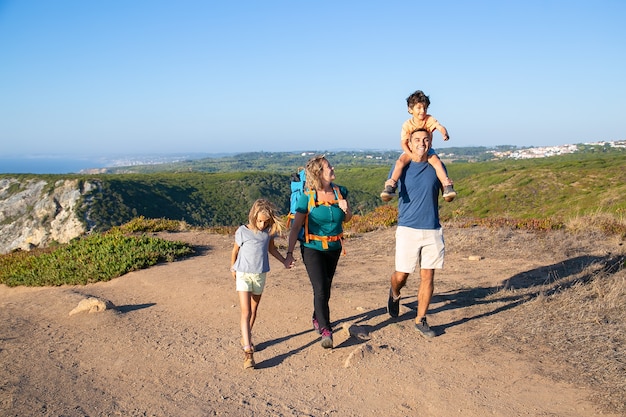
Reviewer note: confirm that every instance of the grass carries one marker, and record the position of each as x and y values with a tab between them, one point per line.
576	319
567	316
94	258
557	188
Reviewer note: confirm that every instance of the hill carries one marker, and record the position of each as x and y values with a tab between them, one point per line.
561	188
549	190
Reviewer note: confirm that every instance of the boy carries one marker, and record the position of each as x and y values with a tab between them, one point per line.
418	103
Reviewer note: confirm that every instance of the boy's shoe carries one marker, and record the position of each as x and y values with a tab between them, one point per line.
393	305
424	329
388	193
248	360
316	325
449	193
327	339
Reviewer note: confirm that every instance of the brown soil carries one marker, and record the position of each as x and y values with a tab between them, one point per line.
171	345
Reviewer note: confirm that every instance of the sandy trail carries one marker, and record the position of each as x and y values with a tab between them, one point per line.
171	346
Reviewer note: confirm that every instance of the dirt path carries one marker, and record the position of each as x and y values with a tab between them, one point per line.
171	346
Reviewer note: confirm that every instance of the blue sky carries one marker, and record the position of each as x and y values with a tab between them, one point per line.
114	77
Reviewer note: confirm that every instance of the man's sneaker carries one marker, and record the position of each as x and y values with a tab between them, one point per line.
388	193
327	339
248	360
316	325
424	329
393	305
449	193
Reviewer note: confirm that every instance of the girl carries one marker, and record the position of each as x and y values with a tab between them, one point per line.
250	264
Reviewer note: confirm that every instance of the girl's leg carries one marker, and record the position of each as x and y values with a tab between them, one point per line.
255	299
245	298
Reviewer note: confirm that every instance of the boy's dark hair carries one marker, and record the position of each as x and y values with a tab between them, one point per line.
417	97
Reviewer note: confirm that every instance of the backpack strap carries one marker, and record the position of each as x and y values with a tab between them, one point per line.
313	198
311	205
326	239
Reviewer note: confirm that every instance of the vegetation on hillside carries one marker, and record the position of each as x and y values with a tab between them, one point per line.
560	187
285	162
572	192
94	258
550	190
198	199
280	162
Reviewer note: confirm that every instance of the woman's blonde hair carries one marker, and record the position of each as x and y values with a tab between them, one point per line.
313	172
269	209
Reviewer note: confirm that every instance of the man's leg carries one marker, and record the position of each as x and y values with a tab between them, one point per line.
398	280
424	295
425	292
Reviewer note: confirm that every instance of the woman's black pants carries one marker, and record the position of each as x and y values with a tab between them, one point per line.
321	266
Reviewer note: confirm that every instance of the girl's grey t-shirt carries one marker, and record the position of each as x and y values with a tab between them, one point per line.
253	250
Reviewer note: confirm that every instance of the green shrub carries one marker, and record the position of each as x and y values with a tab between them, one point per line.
98	257
143	225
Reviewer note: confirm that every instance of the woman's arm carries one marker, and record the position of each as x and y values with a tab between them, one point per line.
296	225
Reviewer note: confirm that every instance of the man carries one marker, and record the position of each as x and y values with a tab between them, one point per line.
419	238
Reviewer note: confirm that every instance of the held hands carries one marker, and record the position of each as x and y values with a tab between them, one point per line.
289	261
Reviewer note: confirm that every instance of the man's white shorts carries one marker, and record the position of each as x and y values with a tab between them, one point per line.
250	282
419	248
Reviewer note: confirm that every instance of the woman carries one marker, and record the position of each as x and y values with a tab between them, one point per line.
321	210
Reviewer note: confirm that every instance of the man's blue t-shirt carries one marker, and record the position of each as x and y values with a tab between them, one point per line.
418	197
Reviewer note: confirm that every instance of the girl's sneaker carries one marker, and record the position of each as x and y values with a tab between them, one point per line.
248	359
243	345
327	339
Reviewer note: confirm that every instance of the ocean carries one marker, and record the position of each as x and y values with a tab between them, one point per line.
48	165
66	164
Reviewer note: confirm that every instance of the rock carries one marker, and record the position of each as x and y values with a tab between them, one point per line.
92	305
358	354
36	213
359	332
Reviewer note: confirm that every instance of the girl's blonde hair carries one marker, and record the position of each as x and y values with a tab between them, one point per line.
313	172
269	209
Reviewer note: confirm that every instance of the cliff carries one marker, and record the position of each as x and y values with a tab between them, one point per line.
38	212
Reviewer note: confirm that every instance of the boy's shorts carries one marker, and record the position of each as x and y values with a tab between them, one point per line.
251	282
421	248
